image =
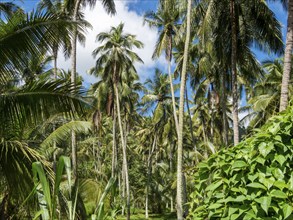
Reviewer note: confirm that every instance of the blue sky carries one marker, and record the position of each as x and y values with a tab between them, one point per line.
131	12
141	6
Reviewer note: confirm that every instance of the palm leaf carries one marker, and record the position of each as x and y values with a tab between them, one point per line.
64	132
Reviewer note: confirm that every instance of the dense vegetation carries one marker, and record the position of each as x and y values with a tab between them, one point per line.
252	180
165	147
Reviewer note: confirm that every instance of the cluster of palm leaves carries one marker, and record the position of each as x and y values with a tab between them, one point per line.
123	135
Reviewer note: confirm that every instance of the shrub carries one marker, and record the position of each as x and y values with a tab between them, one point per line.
253	180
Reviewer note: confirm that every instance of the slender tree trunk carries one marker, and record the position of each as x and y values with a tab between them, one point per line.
123	190
171	82
181	114
125	165
234	74
224	110
149	173
171	172
287	59
114	156
73	81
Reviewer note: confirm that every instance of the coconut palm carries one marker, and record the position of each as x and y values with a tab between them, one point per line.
74	8
248	21
57	7
180	183
115	57
166	19
20	110
287	57
32	29
7	9
264	99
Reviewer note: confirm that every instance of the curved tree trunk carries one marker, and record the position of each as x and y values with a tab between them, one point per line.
234	74
114	147
125	165
180	183
224	110
287	59
169	58
149	173
73	81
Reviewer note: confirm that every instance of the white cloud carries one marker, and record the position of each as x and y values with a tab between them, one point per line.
101	21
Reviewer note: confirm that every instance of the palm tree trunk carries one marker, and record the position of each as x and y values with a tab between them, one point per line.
125	165
114	155
149	166
73	81
287	59
171	83
181	114
234	74
224	110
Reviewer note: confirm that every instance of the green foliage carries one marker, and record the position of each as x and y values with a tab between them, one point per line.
253	180
48	199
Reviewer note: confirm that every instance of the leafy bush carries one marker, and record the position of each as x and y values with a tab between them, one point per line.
253	180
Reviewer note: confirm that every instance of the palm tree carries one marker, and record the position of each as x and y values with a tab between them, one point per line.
181	114
287	57
57	8
21	109
32	29
166	19
74	6
264	99
7	9
116	56
243	17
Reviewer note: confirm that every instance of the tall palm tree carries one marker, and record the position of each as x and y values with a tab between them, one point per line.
57	7
166	19
287	57
115	57
180	183
250	22
74	7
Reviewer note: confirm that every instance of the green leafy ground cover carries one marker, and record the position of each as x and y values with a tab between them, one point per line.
253	180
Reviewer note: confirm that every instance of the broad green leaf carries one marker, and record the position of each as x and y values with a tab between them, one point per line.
275	128
278	194
214	186
260	160
281	159
232	210
264	202
234	216
278	138
265	148
278	174
215	205
239	164
252	177
280	184
256	185
287	210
